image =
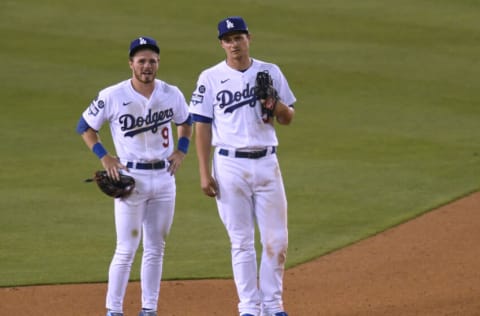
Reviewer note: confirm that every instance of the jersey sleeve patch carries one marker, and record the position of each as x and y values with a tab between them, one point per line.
196	98
95	107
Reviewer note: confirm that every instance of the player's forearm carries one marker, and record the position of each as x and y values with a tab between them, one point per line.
90	137
92	140
203	166
284	113
203	139
185	130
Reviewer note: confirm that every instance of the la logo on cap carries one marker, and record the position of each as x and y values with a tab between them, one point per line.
230	25
142	41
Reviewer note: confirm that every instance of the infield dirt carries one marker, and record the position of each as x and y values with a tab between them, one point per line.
429	266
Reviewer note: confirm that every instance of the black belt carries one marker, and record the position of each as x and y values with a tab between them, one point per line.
146	165
247	154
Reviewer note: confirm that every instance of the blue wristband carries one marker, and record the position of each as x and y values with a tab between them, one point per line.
99	150
183	143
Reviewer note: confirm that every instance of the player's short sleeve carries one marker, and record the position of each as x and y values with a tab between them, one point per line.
201	102
97	112
181	114
280	83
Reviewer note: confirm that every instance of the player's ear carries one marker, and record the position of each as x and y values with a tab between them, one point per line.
221	43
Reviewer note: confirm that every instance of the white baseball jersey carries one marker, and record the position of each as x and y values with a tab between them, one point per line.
225	96
140	127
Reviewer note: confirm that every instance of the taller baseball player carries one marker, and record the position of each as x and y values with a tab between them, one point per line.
236	116
140	112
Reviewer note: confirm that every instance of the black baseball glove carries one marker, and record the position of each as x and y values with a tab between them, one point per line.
111	187
266	93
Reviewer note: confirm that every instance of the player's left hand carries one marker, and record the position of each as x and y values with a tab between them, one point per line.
175	160
266	94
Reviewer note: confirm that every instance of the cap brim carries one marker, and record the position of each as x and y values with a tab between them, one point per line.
146	46
232	32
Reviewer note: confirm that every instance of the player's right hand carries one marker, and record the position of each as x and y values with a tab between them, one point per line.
112	165
209	186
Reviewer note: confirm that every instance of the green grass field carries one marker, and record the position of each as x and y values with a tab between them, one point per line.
386	128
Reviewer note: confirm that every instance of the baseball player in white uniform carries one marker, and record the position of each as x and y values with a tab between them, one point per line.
245	178
140	112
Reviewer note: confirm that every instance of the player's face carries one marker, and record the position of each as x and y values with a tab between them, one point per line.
236	45
144	65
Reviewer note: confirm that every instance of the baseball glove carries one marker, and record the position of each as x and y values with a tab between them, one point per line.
111	187
266	93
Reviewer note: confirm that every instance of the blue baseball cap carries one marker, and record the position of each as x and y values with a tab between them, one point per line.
232	24
141	43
